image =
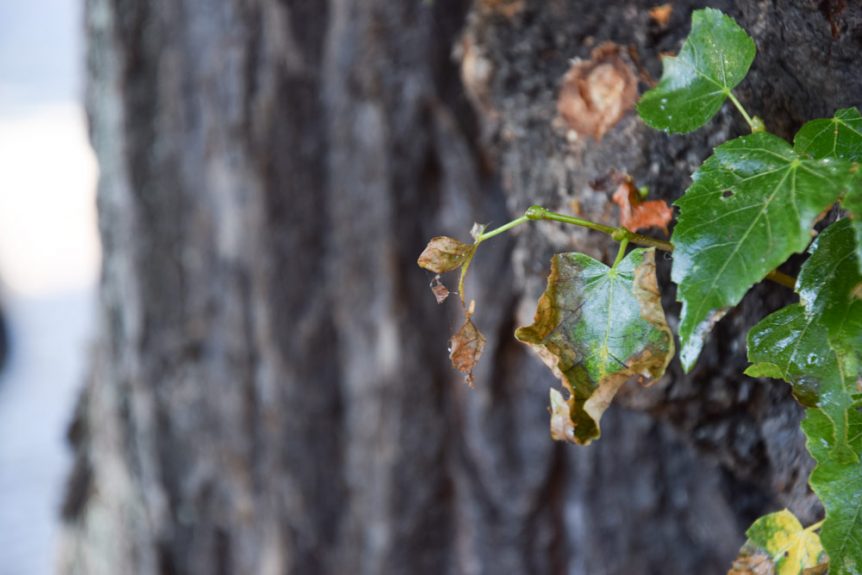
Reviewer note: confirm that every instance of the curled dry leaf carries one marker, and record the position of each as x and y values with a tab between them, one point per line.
636	214
597	93
465	348
444	254
440	291
597	328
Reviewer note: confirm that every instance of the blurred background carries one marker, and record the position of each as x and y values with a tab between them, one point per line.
49	258
262	384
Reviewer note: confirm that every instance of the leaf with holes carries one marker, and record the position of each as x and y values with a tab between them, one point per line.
815	346
750	206
713	60
597	328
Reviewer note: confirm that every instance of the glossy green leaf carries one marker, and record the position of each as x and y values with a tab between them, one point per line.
597	328
715	58
815	346
852	202
751	205
789	548
837	137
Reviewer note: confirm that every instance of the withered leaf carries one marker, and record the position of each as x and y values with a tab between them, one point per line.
597	93
597	328
636	214
661	14
465	349
444	254
440	291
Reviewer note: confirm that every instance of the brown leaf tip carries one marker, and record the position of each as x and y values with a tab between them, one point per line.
444	254
597	93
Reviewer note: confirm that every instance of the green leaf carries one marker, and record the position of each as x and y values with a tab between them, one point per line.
597	328
789	548
751	205
852	202
713	60
815	346
837	137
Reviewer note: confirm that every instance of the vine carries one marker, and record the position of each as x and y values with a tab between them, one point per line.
751	205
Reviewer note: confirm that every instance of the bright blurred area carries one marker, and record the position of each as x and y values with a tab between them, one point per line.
49	260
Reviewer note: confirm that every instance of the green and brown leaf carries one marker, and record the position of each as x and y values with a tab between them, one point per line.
597	328
777	543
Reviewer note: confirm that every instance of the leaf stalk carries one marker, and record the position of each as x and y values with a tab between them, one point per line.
620	234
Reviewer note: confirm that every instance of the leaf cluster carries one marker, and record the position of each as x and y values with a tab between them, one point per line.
756	201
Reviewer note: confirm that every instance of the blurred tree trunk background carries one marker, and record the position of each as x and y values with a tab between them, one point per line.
270	392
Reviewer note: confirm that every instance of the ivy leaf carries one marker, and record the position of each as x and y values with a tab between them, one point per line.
815	346
838	137
444	254
788	548
713	60
751	205
852	202
597	328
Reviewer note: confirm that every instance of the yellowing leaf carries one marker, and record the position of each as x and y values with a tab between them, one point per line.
781	539
444	254
597	328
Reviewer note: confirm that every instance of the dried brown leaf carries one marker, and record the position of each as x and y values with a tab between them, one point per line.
465	349
444	254
440	291
598	92
750	562
508	8
636	214
661	14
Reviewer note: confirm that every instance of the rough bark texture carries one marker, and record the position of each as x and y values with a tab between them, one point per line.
270	391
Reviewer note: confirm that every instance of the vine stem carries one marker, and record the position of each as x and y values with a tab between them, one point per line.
620	253
620	234
754	125
815	526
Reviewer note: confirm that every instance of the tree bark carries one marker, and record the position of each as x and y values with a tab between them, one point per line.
270	391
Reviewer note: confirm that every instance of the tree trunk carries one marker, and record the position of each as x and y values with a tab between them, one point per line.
271	393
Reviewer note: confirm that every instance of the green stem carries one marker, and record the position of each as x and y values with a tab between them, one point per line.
751	123
620	234
504	228
620	253
815	526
